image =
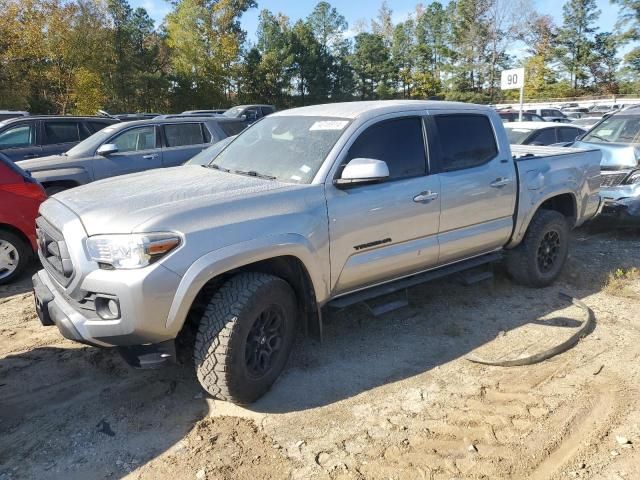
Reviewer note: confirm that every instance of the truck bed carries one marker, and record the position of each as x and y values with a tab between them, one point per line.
528	152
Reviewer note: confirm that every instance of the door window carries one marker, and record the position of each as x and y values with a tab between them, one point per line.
61	132
136	139
546	136
182	134
232	128
397	142
95	126
18	136
464	141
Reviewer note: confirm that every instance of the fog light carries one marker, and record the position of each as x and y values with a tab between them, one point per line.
107	308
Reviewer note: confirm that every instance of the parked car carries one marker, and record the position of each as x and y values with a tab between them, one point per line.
574	115
618	137
218	111
549	114
130	147
514	116
328	205
7	114
20	198
250	113
537	133
38	136
602	109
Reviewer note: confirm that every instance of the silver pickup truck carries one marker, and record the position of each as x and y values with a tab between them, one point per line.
310	207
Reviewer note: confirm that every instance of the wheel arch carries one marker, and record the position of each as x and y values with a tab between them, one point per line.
290	259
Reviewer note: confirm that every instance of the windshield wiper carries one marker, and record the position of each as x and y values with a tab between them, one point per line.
216	167
600	138
253	173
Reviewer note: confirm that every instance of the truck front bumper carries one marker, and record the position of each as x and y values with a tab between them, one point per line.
141	340
624	212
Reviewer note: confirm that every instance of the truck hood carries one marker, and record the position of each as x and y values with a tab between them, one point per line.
615	155
120	204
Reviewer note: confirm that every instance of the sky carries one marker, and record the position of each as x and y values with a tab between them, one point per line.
354	10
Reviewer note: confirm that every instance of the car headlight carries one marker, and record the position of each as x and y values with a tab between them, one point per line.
633	178
130	251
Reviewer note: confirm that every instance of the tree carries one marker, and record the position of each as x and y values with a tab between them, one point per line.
629	27
383	24
371	65
433	48
403	56
603	62
575	37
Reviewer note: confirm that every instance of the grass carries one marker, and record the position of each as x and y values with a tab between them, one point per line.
620	281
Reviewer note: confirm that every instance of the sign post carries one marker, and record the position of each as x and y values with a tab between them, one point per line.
511	80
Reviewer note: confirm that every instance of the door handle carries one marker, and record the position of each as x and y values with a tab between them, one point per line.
425	197
500	182
150	156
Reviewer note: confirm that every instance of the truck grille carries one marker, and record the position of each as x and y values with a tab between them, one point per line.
53	252
612	179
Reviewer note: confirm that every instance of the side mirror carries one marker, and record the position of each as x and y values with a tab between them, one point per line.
107	149
363	170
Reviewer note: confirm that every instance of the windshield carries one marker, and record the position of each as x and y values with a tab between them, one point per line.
233	112
517	135
616	129
208	154
289	149
93	142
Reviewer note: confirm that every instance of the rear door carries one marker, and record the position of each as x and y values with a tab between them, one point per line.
18	141
389	229
58	136
138	150
478	185
183	141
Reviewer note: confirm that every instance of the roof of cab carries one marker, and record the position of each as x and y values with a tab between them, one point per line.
538	125
353	110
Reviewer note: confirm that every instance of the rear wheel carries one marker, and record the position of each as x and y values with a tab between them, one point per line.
538	260
245	337
14	256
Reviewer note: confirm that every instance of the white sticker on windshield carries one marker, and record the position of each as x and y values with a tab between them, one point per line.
296	178
329	125
305	169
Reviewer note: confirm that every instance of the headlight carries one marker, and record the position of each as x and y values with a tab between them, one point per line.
129	251
633	178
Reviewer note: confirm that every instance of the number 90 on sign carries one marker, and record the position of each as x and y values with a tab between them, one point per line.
512	79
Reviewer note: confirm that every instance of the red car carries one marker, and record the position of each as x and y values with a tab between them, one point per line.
20	198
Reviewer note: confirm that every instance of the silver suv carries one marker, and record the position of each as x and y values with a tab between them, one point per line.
311	207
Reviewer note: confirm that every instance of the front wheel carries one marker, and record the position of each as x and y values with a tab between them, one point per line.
538	260
245	337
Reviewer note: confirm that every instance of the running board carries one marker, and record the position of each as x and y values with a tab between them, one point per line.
417	279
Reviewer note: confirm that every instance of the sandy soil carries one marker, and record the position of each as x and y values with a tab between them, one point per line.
387	397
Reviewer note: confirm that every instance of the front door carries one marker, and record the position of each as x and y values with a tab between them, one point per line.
389	229
138	150
18	141
478	184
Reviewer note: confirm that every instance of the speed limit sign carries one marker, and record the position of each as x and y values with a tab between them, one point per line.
512	79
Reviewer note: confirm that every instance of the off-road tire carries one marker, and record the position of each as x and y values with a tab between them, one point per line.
523	261
220	352
24	254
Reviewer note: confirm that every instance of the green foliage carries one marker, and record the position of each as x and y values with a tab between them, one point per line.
63	56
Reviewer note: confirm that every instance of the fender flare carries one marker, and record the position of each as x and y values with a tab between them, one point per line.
225	259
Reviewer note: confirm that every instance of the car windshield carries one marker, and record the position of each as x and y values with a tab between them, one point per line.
233	112
517	135
616	129
287	148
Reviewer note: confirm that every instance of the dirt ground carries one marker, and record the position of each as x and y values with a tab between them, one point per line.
382	398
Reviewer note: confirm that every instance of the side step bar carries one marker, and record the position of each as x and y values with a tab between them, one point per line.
417	279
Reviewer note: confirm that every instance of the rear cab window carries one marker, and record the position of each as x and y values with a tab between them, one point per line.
462	140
